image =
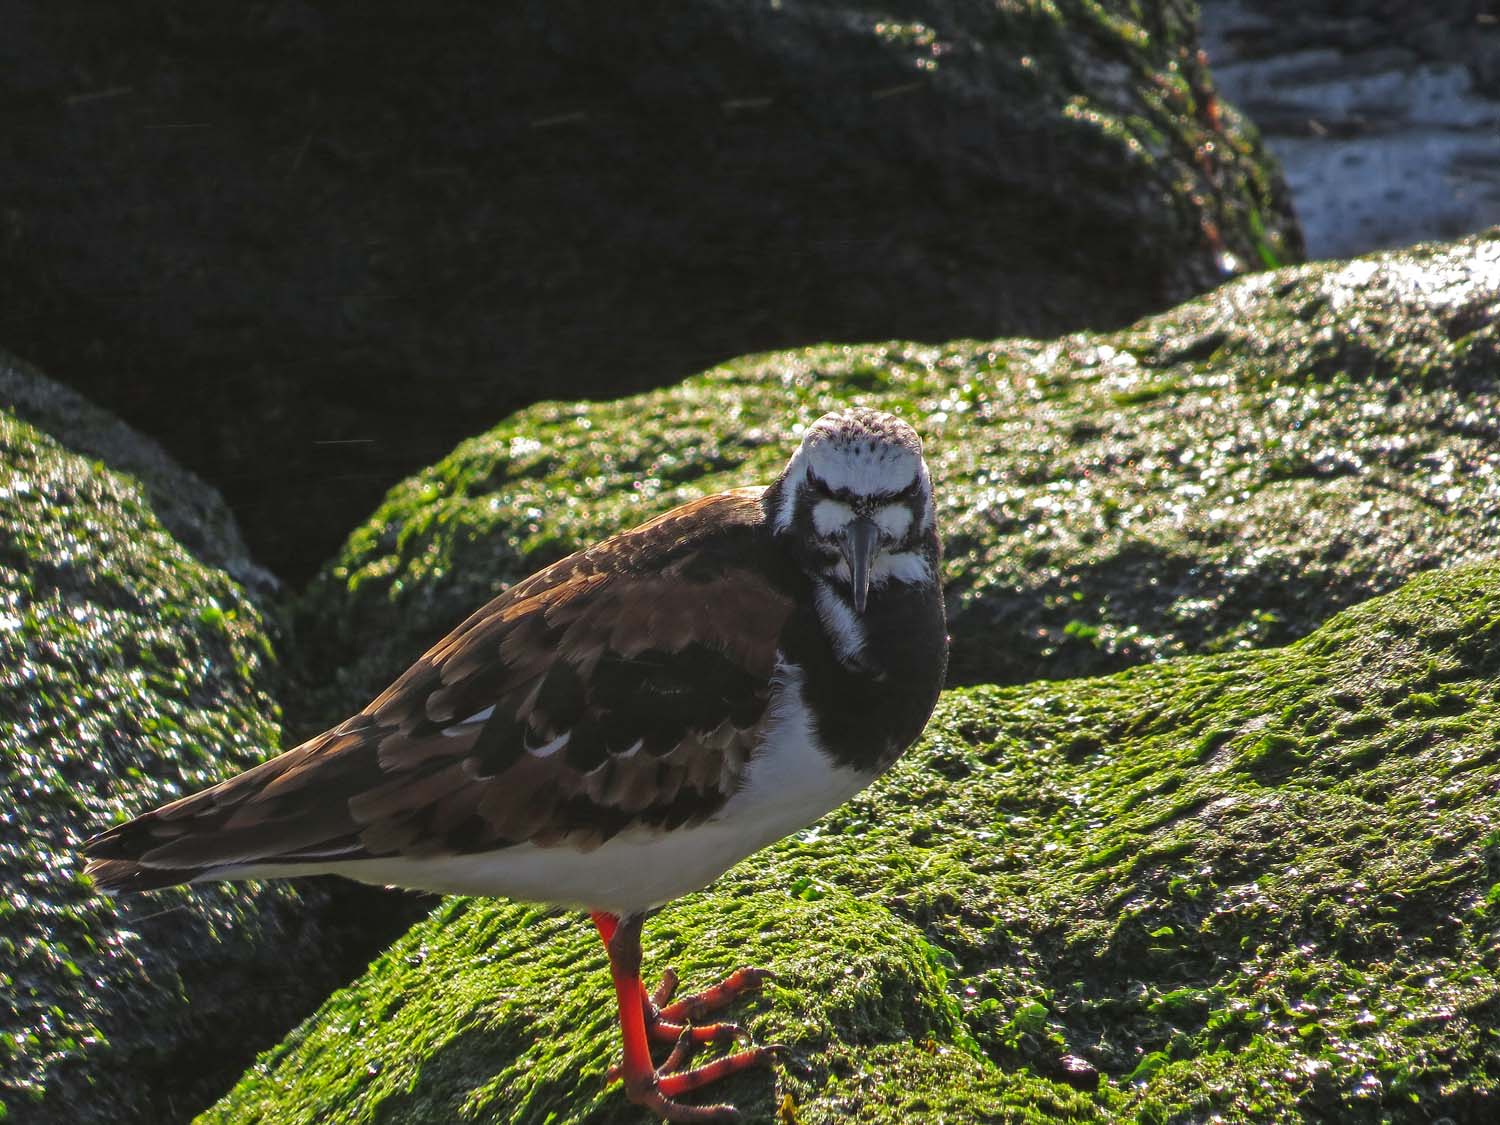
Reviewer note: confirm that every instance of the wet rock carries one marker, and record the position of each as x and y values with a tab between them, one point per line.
310	247
1256	886
1223	476
1384	114
131	671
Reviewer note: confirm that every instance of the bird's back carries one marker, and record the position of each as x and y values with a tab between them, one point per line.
621	688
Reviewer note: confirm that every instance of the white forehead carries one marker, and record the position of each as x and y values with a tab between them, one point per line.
864	468
863	452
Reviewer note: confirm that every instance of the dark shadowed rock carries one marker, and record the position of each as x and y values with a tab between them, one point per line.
190	511
1223	476
309	247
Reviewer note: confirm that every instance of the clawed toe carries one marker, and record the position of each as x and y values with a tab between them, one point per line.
659	1091
664	987
651	1015
694	1008
679	1022
667	1020
668	1031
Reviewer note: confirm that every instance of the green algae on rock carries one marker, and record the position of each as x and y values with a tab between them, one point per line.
1259	885
129	673
190	511
1223	476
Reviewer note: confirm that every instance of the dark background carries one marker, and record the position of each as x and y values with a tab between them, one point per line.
310	247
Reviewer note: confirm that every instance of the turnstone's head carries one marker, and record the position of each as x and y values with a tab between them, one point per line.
856	500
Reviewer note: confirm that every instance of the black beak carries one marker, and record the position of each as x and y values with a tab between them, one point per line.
859	549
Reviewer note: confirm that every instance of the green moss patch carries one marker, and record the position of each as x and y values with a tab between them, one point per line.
1258	885
1221	477
190	511
130	673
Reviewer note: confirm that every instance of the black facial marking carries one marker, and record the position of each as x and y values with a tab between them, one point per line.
865	714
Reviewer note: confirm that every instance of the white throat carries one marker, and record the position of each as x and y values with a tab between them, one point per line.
842	625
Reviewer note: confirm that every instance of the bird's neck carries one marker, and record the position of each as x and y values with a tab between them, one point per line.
871	678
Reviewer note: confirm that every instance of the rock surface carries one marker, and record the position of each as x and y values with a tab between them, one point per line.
1384	114
1226	475
1262	886
130	672
190	511
310	247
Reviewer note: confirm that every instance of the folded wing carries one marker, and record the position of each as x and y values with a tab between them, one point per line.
623	686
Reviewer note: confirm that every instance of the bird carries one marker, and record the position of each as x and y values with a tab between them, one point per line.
619	729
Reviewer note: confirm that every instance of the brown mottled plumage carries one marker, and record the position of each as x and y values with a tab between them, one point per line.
588	644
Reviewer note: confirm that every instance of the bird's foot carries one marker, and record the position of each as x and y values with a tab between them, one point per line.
678	1022
657	1091
668	1021
645	1016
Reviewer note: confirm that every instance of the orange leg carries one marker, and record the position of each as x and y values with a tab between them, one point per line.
645	1084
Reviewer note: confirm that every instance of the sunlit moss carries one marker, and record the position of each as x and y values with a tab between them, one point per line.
1090	900
189	510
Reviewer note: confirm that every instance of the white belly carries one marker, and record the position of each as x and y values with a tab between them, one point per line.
788	784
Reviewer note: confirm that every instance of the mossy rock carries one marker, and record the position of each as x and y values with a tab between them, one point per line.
1259	885
130	672
189	510
1223	476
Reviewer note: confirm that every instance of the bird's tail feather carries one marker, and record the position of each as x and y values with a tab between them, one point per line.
221	830
124	876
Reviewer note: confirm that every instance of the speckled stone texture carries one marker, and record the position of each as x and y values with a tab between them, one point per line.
131	671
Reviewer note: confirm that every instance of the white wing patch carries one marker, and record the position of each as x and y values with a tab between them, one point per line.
550	748
458	729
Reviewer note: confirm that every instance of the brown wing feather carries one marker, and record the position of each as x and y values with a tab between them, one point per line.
650	656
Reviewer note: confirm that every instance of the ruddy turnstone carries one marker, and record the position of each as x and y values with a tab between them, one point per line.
620	728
